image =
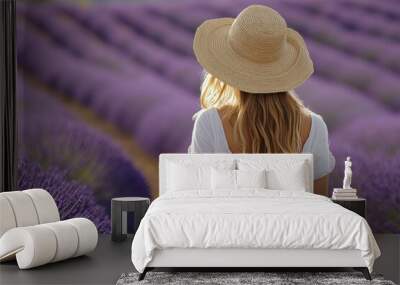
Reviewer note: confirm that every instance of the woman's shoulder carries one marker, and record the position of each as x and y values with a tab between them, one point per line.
324	161
203	135
318	123
319	135
204	115
318	132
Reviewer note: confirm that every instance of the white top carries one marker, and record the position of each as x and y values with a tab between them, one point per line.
209	137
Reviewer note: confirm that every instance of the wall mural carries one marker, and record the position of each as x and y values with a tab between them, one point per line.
103	88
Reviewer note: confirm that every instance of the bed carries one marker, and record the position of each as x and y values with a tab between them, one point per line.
247	211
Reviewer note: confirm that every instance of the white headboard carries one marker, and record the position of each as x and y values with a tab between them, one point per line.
165	157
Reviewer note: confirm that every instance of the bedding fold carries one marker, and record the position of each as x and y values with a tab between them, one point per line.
252	218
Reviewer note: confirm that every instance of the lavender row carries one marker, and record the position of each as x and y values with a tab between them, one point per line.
377	83
137	47
191	14
162	33
159	29
331	100
374	134
73	199
69	35
54	137
121	100
368	48
351	19
385	9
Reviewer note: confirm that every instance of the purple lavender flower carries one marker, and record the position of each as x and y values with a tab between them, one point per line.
72	198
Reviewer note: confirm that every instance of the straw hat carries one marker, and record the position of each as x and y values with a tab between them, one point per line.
256	52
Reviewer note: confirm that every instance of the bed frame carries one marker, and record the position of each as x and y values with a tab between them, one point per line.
260	259
248	259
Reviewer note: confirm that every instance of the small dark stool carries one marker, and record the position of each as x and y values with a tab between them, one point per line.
119	208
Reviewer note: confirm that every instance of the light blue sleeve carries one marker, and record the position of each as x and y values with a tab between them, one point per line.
202	137
324	161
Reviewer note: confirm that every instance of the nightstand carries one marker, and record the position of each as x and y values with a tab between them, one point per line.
119	215
358	206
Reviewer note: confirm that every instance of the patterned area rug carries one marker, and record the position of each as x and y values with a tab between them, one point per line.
269	278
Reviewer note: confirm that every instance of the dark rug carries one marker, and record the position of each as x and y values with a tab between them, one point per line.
273	278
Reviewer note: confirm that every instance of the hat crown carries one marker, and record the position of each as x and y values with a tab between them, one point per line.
258	33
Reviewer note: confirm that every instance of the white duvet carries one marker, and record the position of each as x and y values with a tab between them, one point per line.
250	219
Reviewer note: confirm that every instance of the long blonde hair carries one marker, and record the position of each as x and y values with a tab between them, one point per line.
263	122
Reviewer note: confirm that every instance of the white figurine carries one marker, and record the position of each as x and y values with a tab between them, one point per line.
347	174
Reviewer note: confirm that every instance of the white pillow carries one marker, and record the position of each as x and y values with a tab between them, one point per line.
293	179
281	174
223	179
183	176
237	179
251	178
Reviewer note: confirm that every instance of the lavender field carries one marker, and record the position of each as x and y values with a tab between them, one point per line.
104	88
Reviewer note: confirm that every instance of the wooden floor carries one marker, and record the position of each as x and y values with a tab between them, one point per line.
110	260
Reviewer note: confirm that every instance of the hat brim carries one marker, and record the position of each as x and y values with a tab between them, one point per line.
215	54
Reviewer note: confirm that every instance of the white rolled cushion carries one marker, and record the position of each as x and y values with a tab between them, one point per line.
87	234
23	208
251	178
40	244
33	246
45	205
223	179
7	218
67	240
